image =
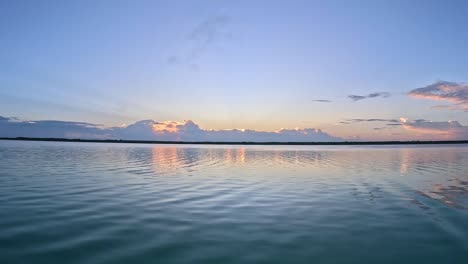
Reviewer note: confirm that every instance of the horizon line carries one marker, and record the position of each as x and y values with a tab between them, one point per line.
298	143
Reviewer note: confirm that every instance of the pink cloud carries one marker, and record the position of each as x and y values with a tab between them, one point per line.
446	129
456	93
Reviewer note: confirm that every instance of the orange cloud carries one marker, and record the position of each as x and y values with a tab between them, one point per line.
166	126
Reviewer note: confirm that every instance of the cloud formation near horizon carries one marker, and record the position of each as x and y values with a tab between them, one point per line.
152	130
456	93
447	129
11	127
321	101
371	95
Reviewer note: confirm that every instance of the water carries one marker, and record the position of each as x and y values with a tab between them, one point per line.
128	203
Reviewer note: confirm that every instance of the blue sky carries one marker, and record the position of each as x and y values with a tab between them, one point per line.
235	64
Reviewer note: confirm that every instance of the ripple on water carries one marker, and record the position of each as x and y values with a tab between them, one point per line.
124	203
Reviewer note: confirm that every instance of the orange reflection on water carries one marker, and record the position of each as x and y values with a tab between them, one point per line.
172	158
165	159
235	155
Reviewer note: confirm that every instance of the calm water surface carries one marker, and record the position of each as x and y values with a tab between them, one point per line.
125	203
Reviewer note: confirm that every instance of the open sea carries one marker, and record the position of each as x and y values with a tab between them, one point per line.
63	202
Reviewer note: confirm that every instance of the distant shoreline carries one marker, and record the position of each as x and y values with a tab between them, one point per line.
241	143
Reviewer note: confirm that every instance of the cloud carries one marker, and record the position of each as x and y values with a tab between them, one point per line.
359	120
190	131
447	129
200	38
11	127
210	29
393	124
152	130
456	93
371	95
356	97
321	101
449	107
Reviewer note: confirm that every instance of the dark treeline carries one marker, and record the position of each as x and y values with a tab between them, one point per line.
242	143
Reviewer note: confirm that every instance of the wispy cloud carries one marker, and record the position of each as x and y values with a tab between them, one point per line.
199	39
152	130
456	93
360	120
371	95
449	107
209	30
321	101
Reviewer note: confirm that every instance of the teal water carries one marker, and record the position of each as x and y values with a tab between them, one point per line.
128	203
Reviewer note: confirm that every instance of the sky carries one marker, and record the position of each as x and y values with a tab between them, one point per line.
234	70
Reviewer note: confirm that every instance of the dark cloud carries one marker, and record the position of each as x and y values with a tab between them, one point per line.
457	93
356	97
371	95
152	130
421	120
321	101
50	128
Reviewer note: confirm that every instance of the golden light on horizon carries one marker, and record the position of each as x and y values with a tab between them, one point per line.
168	126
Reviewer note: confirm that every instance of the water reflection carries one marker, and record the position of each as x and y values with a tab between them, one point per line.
171	158
429	172
165	159
205	204
454	193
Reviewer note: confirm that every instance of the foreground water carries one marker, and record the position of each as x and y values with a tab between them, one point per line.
124	203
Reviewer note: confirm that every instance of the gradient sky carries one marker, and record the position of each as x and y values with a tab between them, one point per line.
236	64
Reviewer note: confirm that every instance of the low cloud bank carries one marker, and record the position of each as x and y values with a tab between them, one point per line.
11	127
152	130
446	129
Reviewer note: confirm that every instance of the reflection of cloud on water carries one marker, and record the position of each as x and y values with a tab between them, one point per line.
234	156
428	172
405	156
165	159
176	159
454	194
435	175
